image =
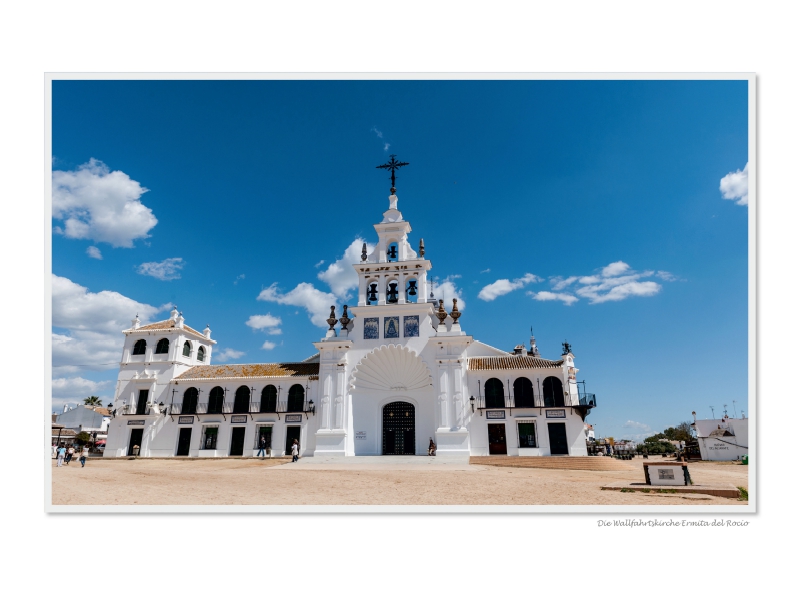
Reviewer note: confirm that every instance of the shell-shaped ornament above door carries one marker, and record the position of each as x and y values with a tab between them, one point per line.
391	368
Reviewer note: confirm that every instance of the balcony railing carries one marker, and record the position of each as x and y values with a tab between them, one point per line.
227	408
576	400
134	410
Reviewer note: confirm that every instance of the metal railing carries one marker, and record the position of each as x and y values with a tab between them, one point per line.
227	408
133	410
537	401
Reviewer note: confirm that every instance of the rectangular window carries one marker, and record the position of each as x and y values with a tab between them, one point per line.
141	404
209	437
411	326
371	328
527	434
391	327
266	433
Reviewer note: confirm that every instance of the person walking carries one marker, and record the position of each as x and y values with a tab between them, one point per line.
262	446
61	453
84	456
295	451
70	453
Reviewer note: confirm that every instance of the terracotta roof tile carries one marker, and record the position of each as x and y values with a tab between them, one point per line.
511	362
310	370
168	324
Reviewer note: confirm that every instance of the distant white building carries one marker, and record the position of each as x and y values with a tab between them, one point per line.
86	418
721	439
397	372
588	431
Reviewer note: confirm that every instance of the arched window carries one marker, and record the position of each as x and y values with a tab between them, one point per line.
392	293
372	293
241	402
412	293
187	349
297	396
493	389
391	252
523	393
189	401
139	347
215	400
201	354
269	399
163	346
553	392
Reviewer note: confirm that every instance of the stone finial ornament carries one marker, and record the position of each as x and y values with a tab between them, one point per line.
345	320
455	312
421	247
332	319
364	252
441	313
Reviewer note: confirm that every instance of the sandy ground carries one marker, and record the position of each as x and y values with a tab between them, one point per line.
379	481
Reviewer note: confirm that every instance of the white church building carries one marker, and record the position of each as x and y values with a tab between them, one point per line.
389	375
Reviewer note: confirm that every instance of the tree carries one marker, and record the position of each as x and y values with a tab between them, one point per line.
83	438
682	433
92	401
654	439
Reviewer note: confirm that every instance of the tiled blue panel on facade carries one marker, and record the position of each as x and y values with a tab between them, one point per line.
371	328
411	326
391	327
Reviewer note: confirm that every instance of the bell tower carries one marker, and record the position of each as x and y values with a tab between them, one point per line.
394	273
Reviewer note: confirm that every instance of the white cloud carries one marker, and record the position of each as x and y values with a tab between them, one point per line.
504	286
485	271
340	276
319	264
268	345
100	205
559	283
614	282
165	270
636	425
238	278
93	324
614	269
735	185
226	353
567	299
378	133
446	290
72	390
620	292
386	146
94	252
265	322
666	276
317	303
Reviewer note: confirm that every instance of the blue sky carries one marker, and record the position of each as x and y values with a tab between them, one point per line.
598	208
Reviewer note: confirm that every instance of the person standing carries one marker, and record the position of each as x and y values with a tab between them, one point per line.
262	446
295	451
84	455
61	453
70	453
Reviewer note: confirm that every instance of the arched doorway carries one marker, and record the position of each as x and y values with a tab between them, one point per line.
553	392
399	435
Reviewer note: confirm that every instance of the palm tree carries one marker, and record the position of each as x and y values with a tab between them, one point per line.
92	401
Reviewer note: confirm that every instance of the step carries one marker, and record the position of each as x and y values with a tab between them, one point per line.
582	463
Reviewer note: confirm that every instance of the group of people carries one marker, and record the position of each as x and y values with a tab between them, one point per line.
64	455
262	448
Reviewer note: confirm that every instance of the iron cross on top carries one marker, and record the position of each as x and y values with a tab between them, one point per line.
392	165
